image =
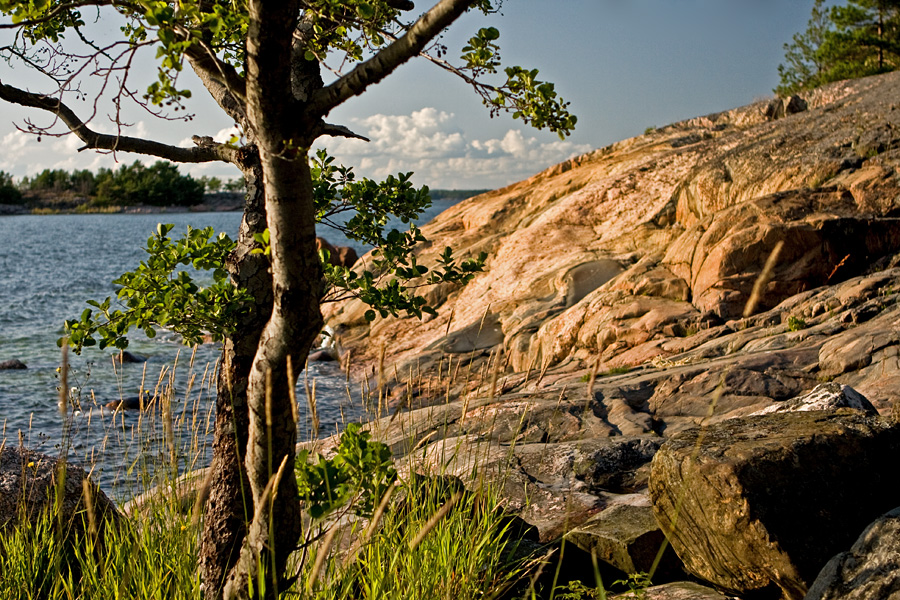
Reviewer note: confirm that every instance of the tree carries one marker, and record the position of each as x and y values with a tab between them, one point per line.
9	193
160	184
262	62
856	40
804	67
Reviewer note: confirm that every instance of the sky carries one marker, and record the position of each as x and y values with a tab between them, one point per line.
624	65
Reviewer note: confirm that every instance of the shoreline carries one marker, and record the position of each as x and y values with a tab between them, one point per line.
218	202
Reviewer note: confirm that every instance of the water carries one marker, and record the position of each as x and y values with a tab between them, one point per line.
49	266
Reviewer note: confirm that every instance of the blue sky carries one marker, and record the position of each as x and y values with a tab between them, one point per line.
623	64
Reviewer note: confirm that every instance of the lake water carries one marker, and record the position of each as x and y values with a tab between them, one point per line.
49	266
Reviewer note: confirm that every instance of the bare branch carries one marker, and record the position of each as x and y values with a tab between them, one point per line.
220	93
99	141
341	131
387	60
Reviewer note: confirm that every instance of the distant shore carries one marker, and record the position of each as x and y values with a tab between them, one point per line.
215	202
61	205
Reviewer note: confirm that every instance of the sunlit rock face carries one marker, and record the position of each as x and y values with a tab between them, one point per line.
612	253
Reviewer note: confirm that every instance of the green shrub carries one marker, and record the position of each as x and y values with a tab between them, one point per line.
795	323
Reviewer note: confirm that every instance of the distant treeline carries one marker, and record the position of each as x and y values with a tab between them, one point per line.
159	184
456	194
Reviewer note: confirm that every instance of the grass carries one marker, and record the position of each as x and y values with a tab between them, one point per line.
428	543
427	539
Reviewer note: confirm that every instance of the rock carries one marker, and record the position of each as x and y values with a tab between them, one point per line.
339	256
28	480
679	590
690	213
323	355
827	396
127	357
129	403
628	538
187	492
12	364
758	505
869	570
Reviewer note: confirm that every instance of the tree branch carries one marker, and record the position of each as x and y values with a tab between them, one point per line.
342	131
221	93
205	63
100	141
370	72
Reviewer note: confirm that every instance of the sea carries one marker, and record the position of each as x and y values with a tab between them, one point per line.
49	266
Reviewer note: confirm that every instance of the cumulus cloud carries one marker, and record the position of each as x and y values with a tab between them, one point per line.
428	143
28	154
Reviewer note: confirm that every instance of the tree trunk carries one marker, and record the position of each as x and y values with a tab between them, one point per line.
282	135
295	322
229	506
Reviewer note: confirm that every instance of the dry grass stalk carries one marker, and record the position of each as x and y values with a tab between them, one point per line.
291	391
592	379
763	280
321	555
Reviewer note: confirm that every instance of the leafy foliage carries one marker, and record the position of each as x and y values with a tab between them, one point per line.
358	475
858	39
383	284
159	294
157	185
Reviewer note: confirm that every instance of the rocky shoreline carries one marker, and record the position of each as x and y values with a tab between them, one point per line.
614	386
683	358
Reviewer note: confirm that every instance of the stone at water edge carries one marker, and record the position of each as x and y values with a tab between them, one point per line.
764	502
29	477
127	357
339	256
869	570
12	364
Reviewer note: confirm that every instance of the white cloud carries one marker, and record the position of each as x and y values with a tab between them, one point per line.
428	143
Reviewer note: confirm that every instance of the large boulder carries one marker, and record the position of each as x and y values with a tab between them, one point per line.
339	256
870	569
28	483
827	396
760	504
622	252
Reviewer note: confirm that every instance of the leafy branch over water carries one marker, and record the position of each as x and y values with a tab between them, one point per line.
157	294
162	293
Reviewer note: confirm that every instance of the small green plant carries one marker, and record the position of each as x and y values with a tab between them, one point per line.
619	370
637	584
361	472
575	590
650	129
796	323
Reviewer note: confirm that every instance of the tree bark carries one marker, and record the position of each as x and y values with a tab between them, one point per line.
282	134
229	505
